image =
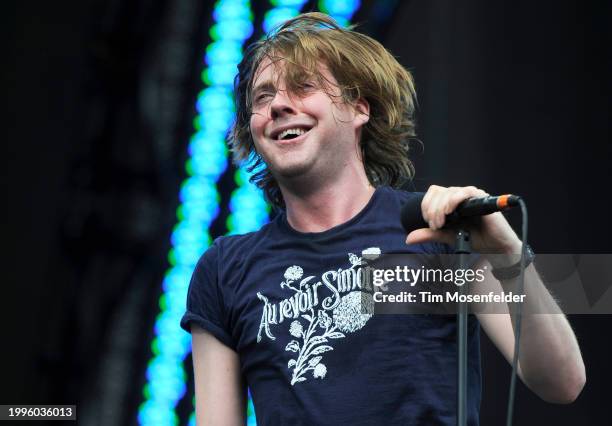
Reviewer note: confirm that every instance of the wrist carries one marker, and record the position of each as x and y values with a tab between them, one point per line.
506	257
513	270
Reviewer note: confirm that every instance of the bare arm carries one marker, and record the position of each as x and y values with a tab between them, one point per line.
219	388
550	363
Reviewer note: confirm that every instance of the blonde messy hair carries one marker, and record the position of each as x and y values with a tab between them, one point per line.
363	68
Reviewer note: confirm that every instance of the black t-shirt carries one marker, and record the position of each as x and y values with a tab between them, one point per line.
291	305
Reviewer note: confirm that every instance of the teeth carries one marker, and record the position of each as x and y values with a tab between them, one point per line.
296	131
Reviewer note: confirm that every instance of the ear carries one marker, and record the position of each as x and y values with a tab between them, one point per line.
362	112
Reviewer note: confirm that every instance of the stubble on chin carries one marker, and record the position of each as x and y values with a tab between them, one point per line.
290	170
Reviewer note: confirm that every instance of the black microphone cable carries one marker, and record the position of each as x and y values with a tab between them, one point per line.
518	316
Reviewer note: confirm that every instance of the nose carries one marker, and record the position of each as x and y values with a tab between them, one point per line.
281	105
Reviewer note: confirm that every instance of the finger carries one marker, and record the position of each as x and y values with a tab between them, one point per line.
434	210
426	204
426	234
443	207
462	195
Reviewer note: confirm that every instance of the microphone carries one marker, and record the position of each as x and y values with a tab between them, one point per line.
412	216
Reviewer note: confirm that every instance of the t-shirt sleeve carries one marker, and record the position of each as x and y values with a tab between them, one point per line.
205	299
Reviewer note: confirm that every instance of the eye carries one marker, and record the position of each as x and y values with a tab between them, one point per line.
263	97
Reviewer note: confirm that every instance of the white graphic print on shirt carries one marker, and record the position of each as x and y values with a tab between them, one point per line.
316	322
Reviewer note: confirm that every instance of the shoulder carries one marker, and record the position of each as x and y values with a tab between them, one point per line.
248	241
223	257
230	246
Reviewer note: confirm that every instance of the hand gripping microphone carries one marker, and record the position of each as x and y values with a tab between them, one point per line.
412	216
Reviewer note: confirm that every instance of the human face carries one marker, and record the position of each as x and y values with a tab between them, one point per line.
328	136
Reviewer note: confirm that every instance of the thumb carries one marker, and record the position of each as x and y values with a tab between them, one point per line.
426	234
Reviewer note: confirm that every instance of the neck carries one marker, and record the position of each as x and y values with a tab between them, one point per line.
321	207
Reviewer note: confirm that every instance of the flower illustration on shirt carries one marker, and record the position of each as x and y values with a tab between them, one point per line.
351	314
313	330
324	319
354	259
293	273
354	311
312	345
320	371
296	329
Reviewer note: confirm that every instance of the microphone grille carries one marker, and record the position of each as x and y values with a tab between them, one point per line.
411	214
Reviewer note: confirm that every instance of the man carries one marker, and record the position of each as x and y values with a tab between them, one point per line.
323	114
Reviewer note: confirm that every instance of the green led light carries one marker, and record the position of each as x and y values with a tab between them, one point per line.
146	391
172	257
229	223
214	33
155	346
198	122
189	167
205	76
239	178
180	213
163	302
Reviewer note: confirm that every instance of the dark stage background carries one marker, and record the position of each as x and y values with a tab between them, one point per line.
98	99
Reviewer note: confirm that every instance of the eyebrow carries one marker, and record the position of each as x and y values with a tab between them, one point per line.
266	85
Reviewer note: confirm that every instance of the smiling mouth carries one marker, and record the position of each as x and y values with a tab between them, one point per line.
290	134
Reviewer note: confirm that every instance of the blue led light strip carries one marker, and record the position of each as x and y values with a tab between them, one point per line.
248	209
199	198
166	377
341	10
